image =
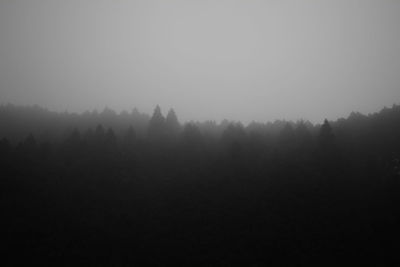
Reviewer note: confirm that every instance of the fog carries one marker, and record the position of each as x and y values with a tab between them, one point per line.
200	132
240	60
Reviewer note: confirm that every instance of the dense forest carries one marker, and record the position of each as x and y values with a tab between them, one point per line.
107	188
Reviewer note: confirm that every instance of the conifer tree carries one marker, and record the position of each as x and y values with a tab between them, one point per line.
156	127
326	136
172	123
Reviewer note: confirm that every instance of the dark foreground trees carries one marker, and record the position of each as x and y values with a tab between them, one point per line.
282	193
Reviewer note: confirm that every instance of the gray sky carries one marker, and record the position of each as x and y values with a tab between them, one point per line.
209	59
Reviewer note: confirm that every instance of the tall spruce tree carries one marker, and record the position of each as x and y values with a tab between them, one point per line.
172	124
326	137
156	129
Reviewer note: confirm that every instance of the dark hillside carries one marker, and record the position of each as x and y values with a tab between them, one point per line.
122	189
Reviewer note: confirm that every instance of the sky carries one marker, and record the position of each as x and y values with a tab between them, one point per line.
208	59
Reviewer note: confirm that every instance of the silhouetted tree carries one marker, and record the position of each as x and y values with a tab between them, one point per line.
88	136
220	183
130	136
192	137
234	132
172	125
110	138
326	137
28	148
304	138
287	135
99	133
156	129
72	146
287	140
327	150
75	138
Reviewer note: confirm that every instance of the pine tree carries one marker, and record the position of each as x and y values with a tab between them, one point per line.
326	137
172	124
156	129
110	138
191	136
287	135
304	137
130	136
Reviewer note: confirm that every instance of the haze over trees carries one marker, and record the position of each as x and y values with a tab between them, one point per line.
112	189
242	148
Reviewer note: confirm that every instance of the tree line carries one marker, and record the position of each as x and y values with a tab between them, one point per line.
112	189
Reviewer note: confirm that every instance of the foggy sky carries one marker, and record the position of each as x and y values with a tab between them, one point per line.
241	60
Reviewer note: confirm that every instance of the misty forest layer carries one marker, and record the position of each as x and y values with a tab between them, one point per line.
113	189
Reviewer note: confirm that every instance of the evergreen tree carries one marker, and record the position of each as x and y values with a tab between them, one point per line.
192	137
156	129
110	138
304	137
172	124
326	137
234	132
130	136
287	135
74	138
74	142
99	131
329	156
28	147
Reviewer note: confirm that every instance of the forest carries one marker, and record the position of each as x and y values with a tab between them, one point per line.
108	188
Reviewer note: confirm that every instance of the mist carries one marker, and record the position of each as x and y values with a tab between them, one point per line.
199	132
239	60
